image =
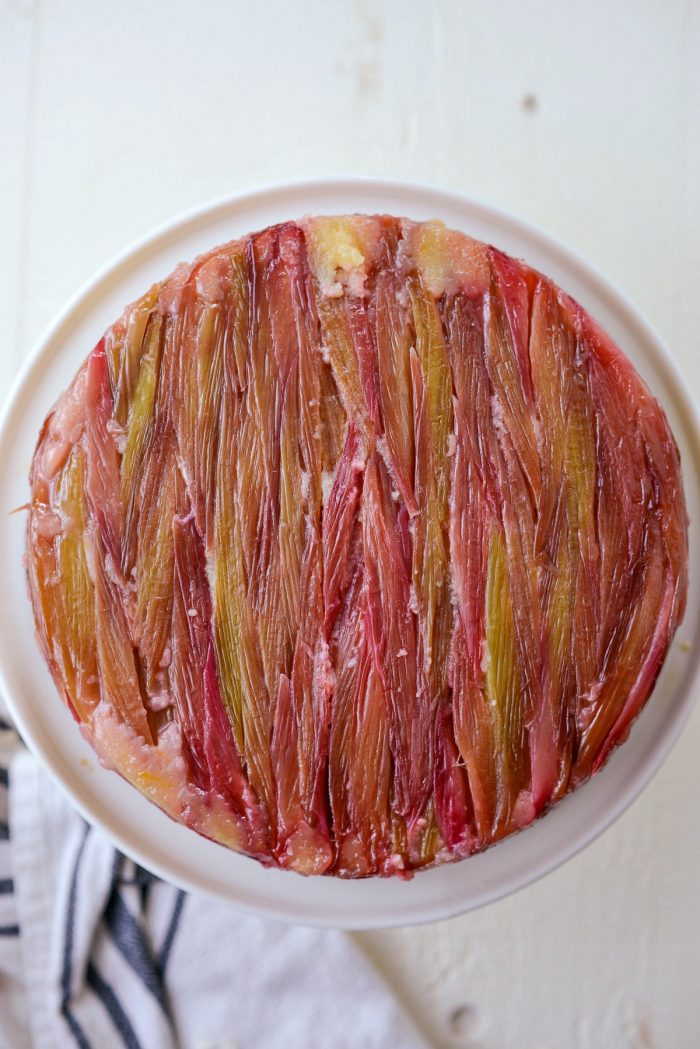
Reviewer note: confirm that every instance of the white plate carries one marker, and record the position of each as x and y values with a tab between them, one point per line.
140	829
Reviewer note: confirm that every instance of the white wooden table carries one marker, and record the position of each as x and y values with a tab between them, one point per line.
114	117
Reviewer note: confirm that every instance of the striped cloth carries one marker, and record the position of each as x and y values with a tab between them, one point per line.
95	952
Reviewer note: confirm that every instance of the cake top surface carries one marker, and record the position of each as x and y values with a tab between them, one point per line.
355	544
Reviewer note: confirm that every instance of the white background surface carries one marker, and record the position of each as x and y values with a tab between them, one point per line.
116	116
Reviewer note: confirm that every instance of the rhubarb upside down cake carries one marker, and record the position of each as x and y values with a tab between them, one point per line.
356	545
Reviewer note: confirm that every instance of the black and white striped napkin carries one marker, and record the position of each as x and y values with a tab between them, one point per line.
96	952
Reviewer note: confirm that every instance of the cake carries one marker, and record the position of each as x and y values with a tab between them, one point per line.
355	545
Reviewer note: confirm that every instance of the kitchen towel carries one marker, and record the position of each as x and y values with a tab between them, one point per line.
95	952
